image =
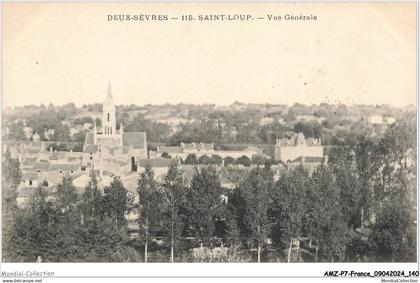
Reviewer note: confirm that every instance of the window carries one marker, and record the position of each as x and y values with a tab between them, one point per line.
108	117
30	182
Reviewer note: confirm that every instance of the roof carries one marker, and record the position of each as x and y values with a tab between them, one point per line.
89	138
109	142
31	150
207	146
58	155
188	145
64	167
312	142
298	139
29	176
159	162
82	181
41	166
136	140
29	162
169	149
90	148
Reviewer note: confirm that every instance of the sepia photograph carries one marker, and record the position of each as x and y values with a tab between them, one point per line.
274	133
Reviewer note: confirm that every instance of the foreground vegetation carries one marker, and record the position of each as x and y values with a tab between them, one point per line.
366	186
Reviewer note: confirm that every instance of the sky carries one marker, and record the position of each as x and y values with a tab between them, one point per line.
355	53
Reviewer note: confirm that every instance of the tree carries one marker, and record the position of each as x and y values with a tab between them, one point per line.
353	162
324	221
174	195
216	159
116	202
205	204
11	180
258	160
165	155
229	161
288	209
92	200
233	234
191	159
345	170
364	150
67	220
204	160
35	233
16	131
148	206
256	189
66	194
310	129
102	235
244	160
394	233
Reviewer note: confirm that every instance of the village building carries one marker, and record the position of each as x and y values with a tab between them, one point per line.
200	149
297	148
110	142
185	149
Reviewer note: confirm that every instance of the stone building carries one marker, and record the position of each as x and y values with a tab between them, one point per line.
297	147
110	143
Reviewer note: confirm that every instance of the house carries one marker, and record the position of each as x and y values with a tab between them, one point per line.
266	121
296	146
49	133
375	119
28	131
36	137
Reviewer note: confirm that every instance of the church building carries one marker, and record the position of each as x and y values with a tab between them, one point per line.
110	143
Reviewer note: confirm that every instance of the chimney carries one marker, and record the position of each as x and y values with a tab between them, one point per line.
326	159
223	162
303	159
51	149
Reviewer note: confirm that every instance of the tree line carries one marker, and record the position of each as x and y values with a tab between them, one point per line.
359	207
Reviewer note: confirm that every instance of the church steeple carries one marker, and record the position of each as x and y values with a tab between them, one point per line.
109	94
108	115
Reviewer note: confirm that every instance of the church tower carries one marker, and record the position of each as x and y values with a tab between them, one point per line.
108	115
